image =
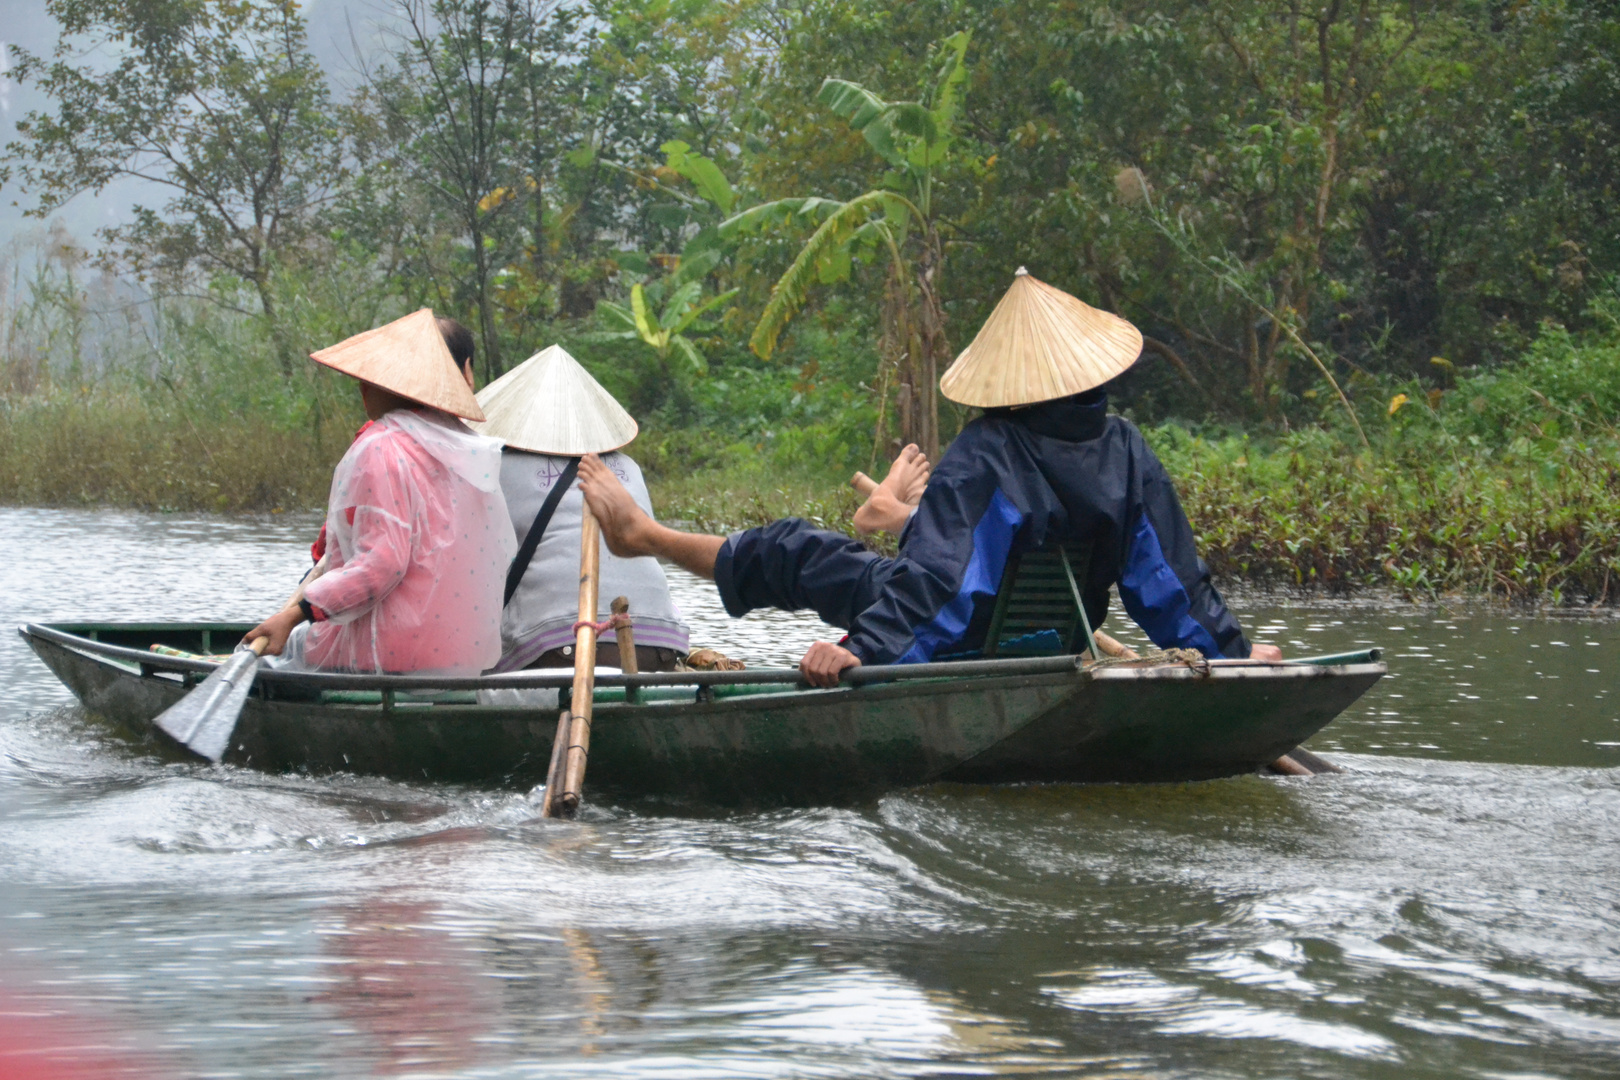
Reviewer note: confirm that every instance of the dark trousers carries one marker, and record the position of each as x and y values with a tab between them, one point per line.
792	565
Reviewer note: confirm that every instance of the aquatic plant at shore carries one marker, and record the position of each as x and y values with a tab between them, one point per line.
1532	520
1531	523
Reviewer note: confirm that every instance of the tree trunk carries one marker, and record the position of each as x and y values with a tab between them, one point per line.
538	259
278	335
1251	355
934	347
893	350
486	313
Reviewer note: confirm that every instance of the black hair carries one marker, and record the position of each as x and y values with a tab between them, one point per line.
459	339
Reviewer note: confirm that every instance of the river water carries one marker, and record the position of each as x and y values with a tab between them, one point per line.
1446	908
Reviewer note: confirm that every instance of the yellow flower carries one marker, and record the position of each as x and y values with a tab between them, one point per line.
495	198
1396	402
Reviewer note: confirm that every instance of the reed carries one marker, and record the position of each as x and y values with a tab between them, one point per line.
101	445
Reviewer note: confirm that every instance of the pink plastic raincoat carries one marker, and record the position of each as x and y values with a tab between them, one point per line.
419	542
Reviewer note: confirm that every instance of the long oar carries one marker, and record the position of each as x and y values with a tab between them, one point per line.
204	719
562	800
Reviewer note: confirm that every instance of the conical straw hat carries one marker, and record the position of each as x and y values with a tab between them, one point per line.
408	357
1039	344
550	405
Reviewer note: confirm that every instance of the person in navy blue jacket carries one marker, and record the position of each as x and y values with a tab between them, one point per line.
1032	470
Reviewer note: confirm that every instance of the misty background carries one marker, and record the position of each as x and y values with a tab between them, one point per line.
336	27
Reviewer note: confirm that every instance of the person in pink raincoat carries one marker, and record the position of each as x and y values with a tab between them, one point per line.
418	537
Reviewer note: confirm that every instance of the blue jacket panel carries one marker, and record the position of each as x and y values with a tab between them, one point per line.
1013	481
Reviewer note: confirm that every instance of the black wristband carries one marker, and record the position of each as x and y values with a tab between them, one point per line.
307	609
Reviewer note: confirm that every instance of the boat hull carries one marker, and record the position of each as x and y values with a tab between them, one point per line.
798	747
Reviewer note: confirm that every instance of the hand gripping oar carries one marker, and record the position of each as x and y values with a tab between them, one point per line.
566	783
204	719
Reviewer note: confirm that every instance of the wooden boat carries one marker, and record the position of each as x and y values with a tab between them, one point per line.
757	737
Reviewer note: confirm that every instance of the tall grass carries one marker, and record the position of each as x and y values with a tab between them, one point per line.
111	396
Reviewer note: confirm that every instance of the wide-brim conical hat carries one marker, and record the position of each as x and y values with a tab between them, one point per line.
1040	344
549	404
407	357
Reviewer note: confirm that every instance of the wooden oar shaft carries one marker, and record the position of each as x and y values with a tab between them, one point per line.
579	738
626	638
554	771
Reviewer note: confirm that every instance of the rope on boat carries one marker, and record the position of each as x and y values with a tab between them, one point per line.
617	621
1156	658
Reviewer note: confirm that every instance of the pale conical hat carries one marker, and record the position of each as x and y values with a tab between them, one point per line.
1039	344
550	405
408	357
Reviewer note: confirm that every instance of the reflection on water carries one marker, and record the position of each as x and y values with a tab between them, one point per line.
1445	909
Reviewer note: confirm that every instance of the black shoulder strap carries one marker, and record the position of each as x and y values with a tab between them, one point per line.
531	542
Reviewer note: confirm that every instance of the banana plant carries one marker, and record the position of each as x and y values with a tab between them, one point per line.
897	222
679	303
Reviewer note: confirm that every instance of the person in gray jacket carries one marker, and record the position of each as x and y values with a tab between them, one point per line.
550	411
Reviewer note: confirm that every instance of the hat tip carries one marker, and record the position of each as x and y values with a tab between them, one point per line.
1021	272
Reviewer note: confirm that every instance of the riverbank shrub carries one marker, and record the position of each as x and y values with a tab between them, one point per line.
1507	483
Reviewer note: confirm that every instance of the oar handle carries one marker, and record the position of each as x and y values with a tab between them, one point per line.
1114	647
259	644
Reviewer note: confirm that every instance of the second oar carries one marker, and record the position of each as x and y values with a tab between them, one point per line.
566	785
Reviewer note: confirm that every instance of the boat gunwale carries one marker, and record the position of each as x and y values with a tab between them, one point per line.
916	676
546	680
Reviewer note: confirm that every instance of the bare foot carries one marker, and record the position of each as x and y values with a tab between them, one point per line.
1269	654
890	503
626	528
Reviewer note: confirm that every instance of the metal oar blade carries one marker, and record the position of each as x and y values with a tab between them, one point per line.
204	719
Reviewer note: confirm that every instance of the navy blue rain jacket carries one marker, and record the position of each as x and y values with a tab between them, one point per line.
1016	480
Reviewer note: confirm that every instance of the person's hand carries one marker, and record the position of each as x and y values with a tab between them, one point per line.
1268	654
821	665
276	628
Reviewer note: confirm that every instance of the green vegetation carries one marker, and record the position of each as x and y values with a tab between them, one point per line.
765	225
1506	482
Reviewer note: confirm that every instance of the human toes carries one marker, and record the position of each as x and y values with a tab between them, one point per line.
904	460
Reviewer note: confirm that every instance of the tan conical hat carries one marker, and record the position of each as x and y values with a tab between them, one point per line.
550	405
408	357
1039	344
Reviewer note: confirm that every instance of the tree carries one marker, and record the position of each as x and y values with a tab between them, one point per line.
220	103
453	96
897	222
1312	82
680	303
679	294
